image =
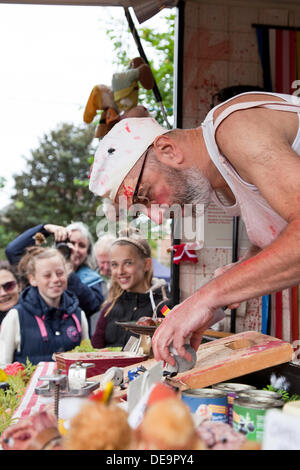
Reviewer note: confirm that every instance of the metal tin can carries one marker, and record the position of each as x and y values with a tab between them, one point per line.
207	402
249	416
232	389
260	393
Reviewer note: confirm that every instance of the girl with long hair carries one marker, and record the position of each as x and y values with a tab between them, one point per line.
47	317
133	292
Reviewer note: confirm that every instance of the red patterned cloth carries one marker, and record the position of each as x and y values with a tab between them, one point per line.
31	402
182	252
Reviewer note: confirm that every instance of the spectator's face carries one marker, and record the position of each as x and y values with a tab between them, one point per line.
50	278
129	269
9	290
103	261
80	246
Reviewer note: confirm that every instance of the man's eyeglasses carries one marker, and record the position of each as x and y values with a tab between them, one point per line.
139	198
8	286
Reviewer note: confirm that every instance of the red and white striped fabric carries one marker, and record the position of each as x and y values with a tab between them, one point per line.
31	402
284	59
183	252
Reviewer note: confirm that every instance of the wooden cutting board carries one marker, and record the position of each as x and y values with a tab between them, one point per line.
234	356
226	358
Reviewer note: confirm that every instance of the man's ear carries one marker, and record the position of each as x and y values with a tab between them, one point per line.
168	151
31	280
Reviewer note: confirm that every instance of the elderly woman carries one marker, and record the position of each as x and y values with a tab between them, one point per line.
9	289
83	280
102	253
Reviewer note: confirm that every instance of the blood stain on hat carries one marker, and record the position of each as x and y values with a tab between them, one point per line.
128	191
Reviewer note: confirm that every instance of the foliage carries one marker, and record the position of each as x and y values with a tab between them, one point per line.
52	187
10	398
2	182
284	394
86	346
6	236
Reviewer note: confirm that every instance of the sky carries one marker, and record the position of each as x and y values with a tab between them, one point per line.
50	59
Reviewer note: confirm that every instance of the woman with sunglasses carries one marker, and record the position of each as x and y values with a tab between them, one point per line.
9	289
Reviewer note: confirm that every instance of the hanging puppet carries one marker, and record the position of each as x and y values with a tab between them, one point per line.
119	100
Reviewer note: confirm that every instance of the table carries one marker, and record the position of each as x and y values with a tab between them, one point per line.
31	402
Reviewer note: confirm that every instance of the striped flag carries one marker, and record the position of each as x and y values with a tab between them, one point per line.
279	51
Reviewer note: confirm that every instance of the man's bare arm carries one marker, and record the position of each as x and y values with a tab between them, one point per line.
257	143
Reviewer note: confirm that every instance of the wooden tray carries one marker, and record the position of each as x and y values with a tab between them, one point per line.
226	358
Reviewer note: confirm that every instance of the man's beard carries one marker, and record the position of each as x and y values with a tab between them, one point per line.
189	186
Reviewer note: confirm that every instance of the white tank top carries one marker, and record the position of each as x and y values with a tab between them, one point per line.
263	224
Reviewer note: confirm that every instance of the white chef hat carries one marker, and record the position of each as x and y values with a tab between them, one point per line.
119	151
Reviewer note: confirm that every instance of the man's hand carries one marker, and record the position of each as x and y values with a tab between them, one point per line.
186	320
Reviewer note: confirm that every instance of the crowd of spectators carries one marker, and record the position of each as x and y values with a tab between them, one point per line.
58	287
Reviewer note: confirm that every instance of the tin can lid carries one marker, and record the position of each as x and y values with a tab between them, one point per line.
233	387
261	393
258	403
203	393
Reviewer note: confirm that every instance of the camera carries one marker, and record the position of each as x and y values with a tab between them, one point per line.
64	248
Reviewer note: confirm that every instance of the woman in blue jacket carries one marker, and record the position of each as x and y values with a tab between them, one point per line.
83	280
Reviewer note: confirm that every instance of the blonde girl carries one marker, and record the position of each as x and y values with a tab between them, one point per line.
47	317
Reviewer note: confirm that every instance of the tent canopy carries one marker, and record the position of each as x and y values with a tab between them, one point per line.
143	9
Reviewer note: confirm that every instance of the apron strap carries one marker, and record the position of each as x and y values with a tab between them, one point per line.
276	105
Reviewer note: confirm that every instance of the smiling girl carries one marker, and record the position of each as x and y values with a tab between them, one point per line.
47	317
133	292
82	279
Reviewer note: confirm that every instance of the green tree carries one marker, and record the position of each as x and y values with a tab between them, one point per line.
52	189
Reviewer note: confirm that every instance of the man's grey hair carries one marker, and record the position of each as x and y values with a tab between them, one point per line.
103	244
